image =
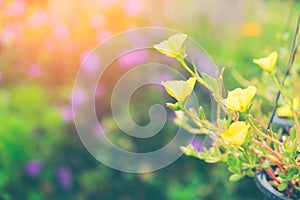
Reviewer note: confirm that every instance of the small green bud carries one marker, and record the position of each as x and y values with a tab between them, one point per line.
201	113
174	106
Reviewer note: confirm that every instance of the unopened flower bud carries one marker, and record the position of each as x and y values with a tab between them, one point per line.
201	113
174	106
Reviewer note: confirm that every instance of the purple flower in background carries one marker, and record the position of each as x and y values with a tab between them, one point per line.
64	177
33	168
78	97
163	77
196	143
67	113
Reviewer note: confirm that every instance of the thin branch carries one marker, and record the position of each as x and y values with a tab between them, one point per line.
288	69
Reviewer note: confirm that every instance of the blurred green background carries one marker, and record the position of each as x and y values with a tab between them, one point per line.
42	45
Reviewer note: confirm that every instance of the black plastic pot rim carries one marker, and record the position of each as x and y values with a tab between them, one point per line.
266	188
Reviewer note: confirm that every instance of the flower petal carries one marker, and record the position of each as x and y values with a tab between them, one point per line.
180	89
239	99
268	62
176	42
174	88
173	47
249	94
164	48
284	111
236	133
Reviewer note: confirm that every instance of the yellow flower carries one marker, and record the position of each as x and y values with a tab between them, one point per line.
173	46
268	62
180	89
286	111
236	133
239	99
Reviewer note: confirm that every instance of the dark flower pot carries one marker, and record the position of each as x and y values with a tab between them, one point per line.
270	193
284	123
260	179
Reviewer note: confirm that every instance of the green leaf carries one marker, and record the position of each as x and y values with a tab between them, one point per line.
282	186
236	177
211	82
211	155
292	172
212	159
250	173
287	144
282	175
293	133
263	165
195	69
234	163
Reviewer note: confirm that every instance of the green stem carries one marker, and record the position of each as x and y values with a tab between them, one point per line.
280	87
259	132
204	123
182	62
194	74
293	52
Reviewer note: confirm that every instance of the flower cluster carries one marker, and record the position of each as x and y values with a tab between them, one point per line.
239	139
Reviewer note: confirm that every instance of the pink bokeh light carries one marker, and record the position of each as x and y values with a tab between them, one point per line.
132	7
133	58
79	96
67	113
60	30
100	91
103	35
37	19
97	21
14	8
90	62
35	70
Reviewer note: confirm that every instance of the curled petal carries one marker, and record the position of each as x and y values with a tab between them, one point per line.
180	90
173	47
267	63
